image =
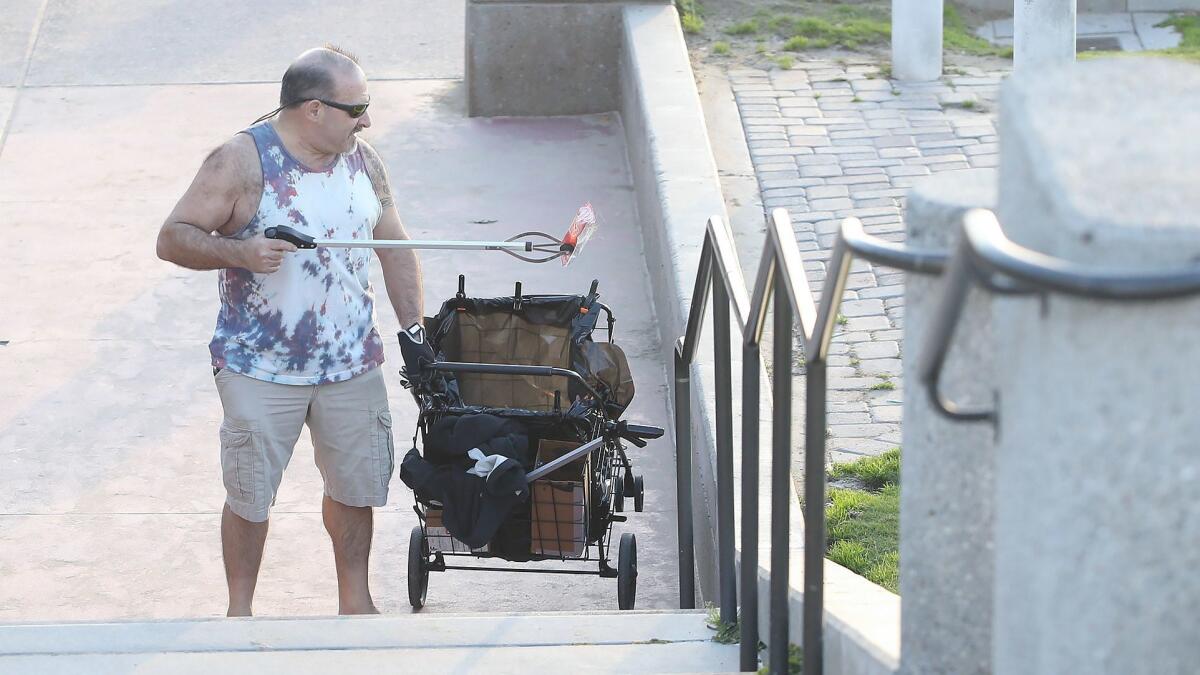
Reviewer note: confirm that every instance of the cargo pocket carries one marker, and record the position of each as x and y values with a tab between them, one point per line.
241	461
385	452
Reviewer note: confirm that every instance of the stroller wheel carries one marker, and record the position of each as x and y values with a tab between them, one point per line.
618	495
627	571
418	568
639	493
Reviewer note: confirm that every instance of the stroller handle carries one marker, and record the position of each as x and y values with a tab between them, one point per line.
509	369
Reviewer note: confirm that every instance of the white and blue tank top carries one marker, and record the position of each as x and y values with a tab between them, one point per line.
313	320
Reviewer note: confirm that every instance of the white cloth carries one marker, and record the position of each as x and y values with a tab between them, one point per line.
484	464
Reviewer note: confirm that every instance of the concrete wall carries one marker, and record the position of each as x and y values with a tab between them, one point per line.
677	192
946	508
543	57
1097	520
1095	6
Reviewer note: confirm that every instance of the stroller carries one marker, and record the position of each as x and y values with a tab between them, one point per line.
522	455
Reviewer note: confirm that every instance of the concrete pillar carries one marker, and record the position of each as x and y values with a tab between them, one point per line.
917	39
1043	34
947	478
1097	467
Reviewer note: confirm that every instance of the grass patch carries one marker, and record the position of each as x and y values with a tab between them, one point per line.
874	472
864	525
720	48
744	28
884	384
690	16
1188	27
957	36
726	633
820	24
786	62
795	661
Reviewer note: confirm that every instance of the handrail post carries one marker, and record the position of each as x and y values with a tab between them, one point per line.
814	514
683	481
781	475
724	400
748	657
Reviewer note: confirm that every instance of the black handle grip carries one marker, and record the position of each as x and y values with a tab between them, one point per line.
291	236
644	431
634	439
635	433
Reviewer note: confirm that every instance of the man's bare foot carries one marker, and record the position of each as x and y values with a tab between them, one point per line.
368	608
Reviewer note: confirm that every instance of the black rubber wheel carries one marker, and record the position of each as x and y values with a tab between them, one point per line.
639	493
418	568
627	571
618	495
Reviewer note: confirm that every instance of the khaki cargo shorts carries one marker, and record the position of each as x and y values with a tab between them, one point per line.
351	430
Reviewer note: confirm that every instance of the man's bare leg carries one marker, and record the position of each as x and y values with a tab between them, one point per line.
242	546
350	529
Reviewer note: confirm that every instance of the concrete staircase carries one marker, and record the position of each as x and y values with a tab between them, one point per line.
599	642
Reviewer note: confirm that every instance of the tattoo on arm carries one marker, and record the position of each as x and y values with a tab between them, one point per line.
378	176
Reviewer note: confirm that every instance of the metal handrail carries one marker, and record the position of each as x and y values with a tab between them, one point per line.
780	274
986	256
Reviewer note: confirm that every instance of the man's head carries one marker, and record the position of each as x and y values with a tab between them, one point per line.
321	92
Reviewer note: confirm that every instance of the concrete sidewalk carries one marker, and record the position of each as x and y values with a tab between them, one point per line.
110	491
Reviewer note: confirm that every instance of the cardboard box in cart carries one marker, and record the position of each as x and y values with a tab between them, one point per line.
439	537
558	514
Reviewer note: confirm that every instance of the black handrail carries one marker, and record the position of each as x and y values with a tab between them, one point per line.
985	256
780	274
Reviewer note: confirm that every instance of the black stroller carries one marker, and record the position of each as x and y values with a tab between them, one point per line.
522	455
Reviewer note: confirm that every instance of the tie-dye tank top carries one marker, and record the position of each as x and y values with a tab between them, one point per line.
313	320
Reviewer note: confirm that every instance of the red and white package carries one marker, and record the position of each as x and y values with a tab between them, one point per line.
583	226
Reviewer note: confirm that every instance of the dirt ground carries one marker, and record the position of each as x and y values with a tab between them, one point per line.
763	50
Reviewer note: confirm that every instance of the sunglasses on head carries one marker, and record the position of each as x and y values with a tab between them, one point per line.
354	110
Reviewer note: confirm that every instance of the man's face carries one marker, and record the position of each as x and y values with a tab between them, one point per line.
338	128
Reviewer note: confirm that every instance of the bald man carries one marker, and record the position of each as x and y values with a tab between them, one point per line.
296	341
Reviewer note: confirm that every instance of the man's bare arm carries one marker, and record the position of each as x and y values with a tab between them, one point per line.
401	268
210	204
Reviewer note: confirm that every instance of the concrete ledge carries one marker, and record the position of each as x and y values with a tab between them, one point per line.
352	632
678	191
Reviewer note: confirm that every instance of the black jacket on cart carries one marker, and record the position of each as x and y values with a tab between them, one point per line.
452	437
473	507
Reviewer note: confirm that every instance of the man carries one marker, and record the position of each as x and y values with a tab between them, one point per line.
295	340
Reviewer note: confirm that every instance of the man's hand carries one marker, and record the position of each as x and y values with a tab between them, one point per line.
264	256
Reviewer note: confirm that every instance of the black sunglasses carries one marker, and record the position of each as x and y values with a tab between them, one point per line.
355	110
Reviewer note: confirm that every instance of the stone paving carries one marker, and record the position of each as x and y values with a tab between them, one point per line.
834	139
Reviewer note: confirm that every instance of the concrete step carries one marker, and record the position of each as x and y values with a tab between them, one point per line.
599	642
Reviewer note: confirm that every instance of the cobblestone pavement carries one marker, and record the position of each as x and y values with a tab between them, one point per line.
832	139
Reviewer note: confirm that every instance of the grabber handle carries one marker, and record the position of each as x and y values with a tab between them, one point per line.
291	236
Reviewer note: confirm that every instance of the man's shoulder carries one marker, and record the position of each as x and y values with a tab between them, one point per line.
235	161
233	155
375	169
371	157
